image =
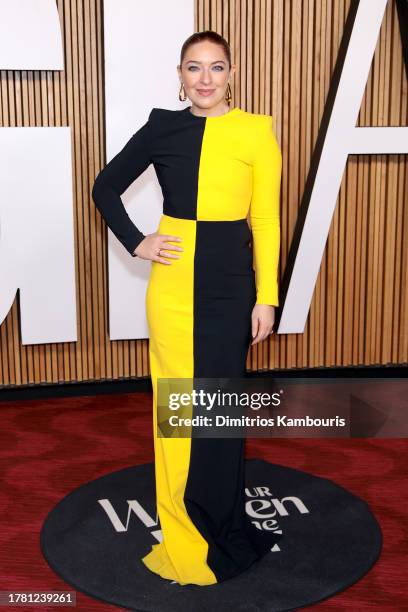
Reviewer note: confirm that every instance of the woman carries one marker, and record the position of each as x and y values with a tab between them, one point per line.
214	165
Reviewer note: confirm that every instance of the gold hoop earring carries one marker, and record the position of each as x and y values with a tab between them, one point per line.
182	99
228	97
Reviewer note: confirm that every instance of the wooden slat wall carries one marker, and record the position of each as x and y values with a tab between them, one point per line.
285	54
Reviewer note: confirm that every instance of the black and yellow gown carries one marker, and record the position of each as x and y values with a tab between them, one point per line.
214	172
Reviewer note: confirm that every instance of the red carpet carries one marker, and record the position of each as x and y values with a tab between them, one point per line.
49	447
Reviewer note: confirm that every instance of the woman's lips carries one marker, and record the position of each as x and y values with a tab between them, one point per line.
205	92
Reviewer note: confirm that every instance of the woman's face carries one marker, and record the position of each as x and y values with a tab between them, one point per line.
205	72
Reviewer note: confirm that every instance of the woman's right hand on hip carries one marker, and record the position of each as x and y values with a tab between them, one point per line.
154	246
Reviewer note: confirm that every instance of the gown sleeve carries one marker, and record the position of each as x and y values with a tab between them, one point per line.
264	215
115	178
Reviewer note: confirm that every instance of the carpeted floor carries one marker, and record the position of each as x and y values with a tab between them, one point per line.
49	447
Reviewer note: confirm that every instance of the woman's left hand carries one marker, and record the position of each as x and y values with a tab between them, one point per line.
263	319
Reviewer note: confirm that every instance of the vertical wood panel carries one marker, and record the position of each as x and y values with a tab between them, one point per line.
285	53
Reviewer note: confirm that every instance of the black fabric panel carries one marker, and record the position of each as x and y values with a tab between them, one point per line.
176	159
115	178
171	140
224	295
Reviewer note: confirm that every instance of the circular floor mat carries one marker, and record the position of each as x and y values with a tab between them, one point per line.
95	537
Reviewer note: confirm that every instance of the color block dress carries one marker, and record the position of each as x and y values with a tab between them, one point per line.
214	172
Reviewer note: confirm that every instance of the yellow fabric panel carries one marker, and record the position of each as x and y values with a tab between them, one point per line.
182	554
225	173
264	213
240	174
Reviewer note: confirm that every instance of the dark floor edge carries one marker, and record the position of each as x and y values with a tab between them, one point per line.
143	384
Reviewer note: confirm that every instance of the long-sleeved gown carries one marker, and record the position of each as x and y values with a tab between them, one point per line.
214	173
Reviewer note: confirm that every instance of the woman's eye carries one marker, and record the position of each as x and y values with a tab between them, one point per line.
193	67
